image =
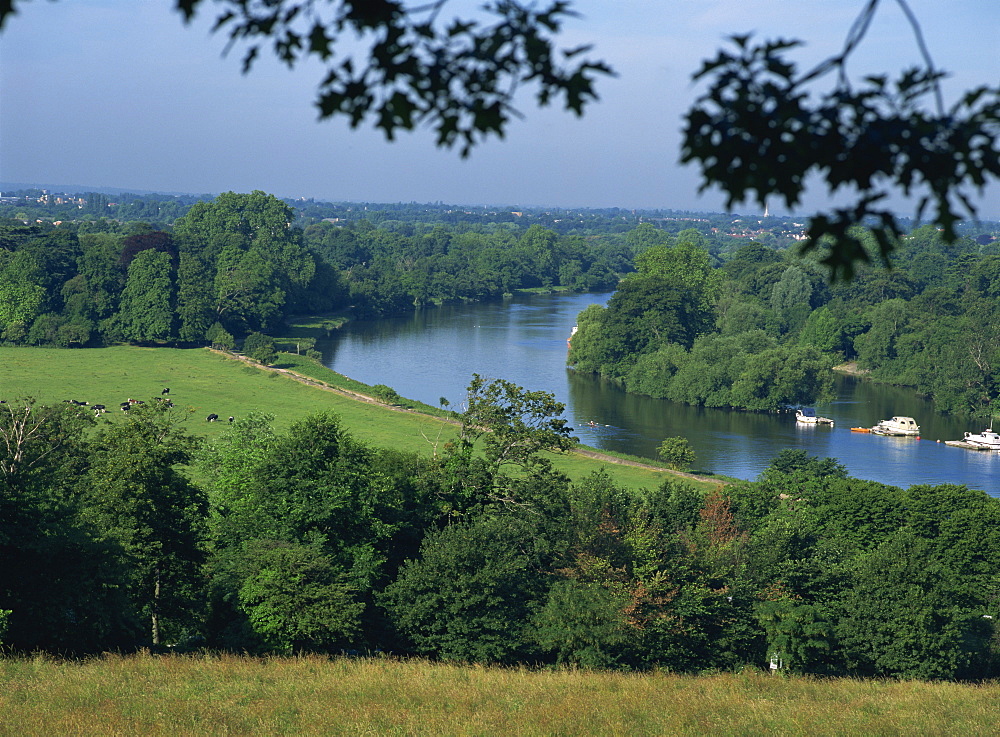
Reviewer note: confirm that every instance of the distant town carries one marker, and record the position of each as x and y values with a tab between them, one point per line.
42	205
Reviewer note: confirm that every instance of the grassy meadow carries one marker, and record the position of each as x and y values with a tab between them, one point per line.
188	695
204	382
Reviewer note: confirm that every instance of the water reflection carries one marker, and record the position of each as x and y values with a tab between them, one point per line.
434	352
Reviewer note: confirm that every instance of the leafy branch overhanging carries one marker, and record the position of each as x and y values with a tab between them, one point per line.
757	133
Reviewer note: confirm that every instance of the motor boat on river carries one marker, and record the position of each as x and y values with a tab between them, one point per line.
807	416
898	427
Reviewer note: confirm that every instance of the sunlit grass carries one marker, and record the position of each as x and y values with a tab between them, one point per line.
185	695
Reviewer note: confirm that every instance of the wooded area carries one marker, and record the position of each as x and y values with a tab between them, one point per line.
140	534
761	328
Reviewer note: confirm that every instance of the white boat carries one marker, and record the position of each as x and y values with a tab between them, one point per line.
985	439
807	416
898	426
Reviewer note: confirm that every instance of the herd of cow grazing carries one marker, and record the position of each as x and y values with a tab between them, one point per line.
100	409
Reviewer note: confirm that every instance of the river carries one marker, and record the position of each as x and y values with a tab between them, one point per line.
434	352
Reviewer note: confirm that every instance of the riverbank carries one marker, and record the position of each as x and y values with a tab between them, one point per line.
355	390
203	382
851	369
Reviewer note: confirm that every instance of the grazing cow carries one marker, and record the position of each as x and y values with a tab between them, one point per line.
231	418
212	417
98	408
165	391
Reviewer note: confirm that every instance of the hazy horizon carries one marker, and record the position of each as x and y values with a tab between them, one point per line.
120	91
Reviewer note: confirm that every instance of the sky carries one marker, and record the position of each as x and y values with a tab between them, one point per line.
121	93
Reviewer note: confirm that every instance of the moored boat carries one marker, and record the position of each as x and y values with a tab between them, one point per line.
986	439
898	427
807	416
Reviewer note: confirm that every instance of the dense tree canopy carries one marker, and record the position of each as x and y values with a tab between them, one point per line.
310	540
771	326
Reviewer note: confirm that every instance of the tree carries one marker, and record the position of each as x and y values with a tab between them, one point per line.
676	453
756	133
22	295
139	498
253	258
194	299
59	580
583	623
514	424
470	593
910	614
146	312
798	637
305	525
295	597
646	313
220	338
260	348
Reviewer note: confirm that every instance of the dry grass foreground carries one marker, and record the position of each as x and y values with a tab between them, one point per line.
193	695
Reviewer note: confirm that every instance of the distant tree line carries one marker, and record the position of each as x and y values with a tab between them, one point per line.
760	328
312	540
239	264
700	316
236	263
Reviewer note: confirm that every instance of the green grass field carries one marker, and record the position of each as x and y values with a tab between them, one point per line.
196	695
202	382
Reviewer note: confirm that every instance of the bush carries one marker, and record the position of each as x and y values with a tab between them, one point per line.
260	348
220	338
676	453
386	394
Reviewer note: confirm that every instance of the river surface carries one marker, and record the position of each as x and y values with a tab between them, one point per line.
433	353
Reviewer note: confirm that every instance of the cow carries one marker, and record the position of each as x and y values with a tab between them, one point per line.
165	391
231	419
212	417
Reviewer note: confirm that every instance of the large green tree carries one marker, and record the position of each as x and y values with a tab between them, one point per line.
254	259
146	311
138	496
22	295
470	593
59	579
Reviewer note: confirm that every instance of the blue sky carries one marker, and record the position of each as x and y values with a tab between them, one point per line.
120	93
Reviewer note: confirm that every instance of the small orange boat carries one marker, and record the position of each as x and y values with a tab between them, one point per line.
861	429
